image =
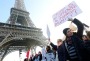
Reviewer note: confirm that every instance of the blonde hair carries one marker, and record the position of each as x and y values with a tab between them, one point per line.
59	40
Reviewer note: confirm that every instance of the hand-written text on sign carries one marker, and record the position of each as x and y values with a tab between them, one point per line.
67	12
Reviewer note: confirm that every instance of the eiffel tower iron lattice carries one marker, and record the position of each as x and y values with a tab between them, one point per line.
19	4
19	32
19	15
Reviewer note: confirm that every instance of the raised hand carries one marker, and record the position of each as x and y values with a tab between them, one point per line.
70	19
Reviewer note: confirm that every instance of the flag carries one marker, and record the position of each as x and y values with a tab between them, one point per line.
43	53
27	54
48	32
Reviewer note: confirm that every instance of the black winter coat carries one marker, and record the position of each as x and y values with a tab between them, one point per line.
77	42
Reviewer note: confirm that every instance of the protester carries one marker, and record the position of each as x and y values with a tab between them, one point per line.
84	38
87	44
74	44
57	47
36	57
39	56
54	51
49	54
31	59
88	35
25	59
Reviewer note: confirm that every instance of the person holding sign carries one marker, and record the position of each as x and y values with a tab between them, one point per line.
55	47
73	43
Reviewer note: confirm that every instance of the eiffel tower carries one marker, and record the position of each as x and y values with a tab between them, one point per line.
19	33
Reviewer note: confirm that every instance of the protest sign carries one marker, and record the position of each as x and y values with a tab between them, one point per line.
69	11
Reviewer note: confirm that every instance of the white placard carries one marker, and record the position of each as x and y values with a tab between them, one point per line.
48	32
69	11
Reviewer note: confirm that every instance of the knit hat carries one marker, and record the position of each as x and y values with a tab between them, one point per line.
65	31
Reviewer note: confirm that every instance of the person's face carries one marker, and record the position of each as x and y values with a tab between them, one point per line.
36	55
47	48
84	38
88	37
69	32
59	43
39	53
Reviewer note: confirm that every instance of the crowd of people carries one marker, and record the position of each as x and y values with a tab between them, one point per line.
75	47
37	57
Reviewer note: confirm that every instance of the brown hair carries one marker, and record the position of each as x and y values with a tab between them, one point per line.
88	34
59	40
48	48
84	36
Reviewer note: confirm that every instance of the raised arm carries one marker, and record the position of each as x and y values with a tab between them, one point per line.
54	46
80	27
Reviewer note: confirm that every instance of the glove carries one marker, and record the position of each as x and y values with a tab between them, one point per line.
70	19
